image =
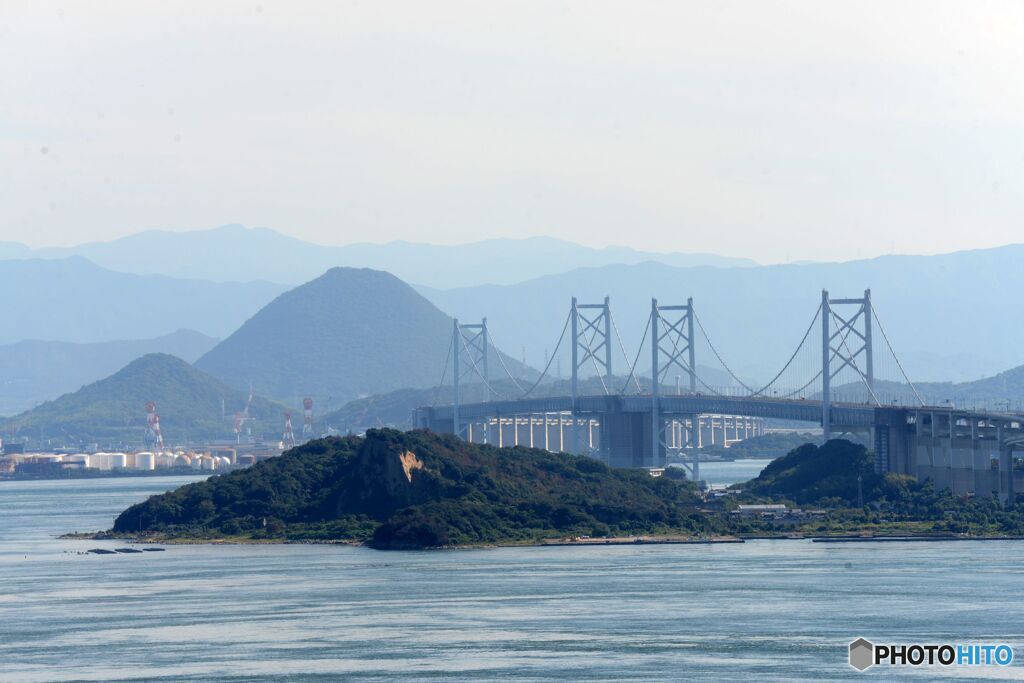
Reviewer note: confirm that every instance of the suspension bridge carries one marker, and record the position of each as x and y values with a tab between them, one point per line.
830	379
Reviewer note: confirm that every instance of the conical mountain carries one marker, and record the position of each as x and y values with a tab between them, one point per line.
348	333
112	410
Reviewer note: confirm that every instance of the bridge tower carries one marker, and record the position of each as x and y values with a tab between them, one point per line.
591	341
672	343
845	337
472	340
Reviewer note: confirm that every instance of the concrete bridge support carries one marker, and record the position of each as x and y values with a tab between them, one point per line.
964	455
626	439
967	452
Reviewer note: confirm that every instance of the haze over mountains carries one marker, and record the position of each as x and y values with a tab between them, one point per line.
1004	391
74	300
355	332
35	371
348	333
952	317
240	254
112	410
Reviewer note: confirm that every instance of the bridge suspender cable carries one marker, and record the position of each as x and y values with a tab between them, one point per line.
625	356
490	340
819	373
796	392
593	359
551	359
850	360
444	372
676	353
881	329
717	355
842	334
792	358
766	387
632	368
476	369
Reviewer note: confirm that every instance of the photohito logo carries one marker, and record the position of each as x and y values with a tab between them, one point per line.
864	653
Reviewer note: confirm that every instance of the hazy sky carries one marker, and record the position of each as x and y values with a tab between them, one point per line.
774	130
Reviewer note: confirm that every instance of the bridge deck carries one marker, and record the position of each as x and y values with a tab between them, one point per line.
843	414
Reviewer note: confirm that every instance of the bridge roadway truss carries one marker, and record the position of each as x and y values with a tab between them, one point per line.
968	451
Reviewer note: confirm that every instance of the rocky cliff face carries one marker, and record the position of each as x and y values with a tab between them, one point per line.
386	476
420	490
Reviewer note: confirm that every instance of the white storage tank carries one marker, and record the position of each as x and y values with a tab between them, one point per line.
118	461
145	461
79	457
207	463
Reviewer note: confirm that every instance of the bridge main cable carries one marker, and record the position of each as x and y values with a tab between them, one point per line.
551	358
758	392
881	328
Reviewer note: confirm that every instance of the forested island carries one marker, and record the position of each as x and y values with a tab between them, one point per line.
410	490
394	489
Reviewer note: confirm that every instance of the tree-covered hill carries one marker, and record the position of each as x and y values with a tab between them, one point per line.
348	333
418	489
35	371
112	410
811	473
894	504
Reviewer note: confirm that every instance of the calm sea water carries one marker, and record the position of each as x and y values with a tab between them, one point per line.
756	611
726	473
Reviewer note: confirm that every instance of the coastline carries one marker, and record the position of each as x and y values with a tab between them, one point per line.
652	539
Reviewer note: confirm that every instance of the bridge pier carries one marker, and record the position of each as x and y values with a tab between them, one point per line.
965	454
968	452
626	439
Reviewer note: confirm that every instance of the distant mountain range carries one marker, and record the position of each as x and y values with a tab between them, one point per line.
348	333
954	317
32	372
74	300
239	254
1001	392
111	412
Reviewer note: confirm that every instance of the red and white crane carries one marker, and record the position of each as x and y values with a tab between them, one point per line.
154	438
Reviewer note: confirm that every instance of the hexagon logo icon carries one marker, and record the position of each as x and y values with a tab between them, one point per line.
862	654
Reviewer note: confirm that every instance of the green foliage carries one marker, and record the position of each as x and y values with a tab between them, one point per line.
444	492
112	410
811	473
826	477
